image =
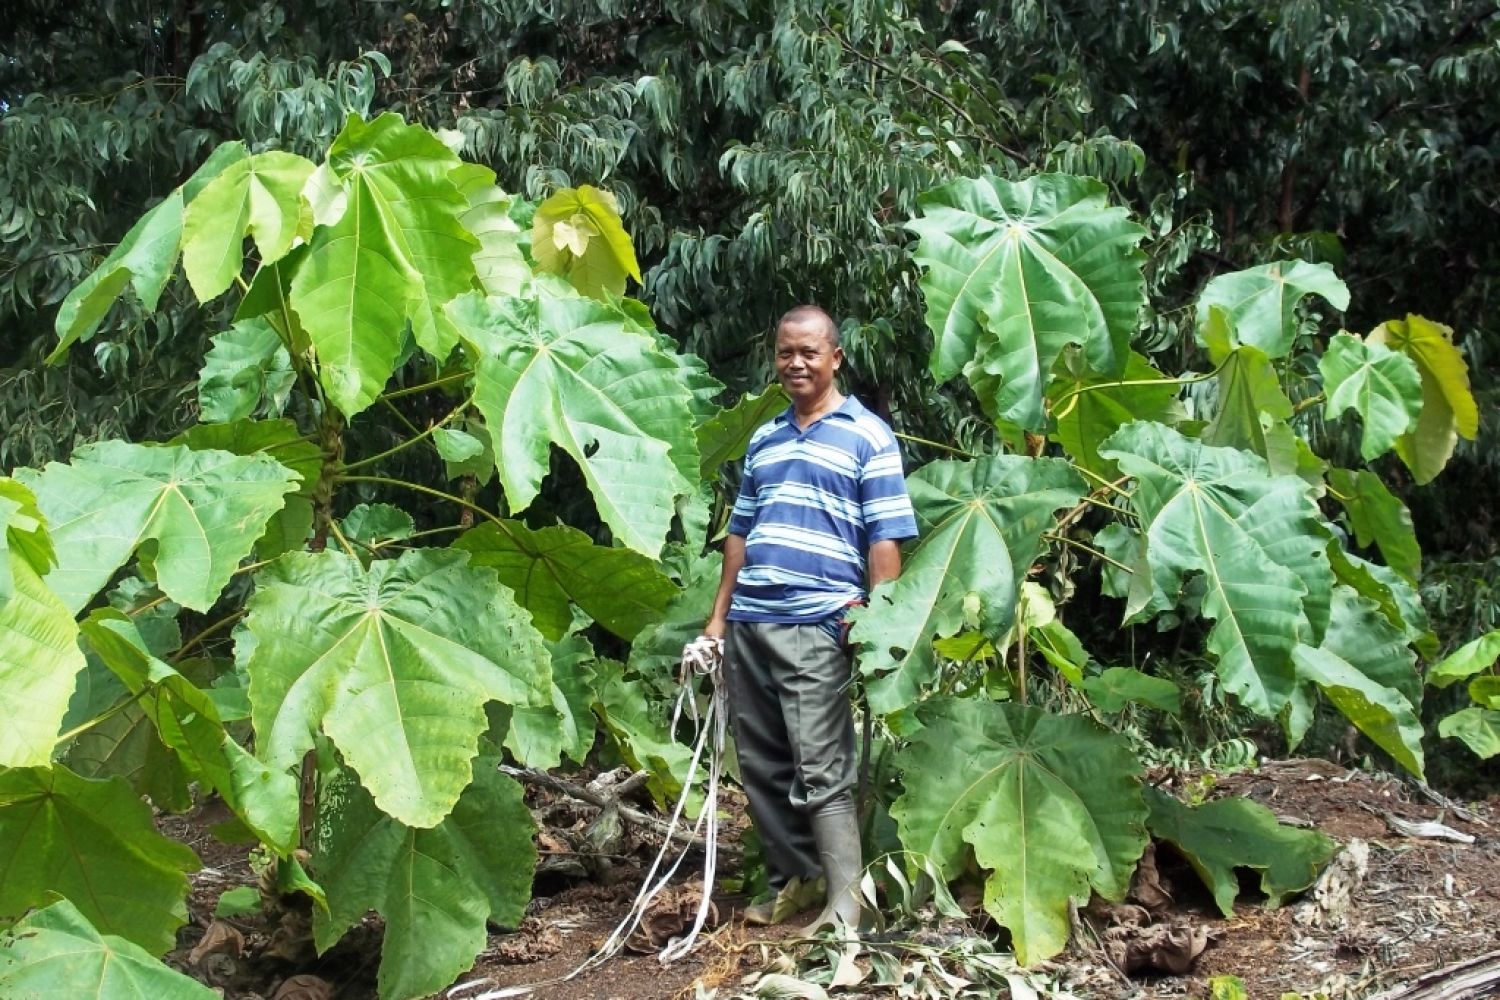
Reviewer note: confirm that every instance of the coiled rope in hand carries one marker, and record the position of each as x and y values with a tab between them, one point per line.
703	657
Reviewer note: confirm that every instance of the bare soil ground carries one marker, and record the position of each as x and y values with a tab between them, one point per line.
1415	904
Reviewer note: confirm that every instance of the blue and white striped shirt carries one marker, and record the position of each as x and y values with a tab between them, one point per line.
810	506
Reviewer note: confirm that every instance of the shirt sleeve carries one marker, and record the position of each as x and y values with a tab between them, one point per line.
882	496
743	517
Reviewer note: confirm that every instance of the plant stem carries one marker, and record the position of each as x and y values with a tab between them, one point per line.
1308	403
372	459
425	386
933	444
399	415
1086	548
418	487
333	526
1105	483
217	626
1059	411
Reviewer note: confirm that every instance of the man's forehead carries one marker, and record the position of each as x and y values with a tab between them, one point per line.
799	332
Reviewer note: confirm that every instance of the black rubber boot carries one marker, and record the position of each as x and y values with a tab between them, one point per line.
839	850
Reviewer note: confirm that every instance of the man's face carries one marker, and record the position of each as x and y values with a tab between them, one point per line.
806	360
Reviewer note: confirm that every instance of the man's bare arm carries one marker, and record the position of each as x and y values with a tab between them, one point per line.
884	561
734	559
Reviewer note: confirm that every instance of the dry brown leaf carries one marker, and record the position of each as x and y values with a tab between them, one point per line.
220	937
304	988
670	914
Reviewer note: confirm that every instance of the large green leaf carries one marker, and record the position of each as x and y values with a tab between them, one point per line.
270	298
573	673
1366	669
577	233
1478	728
567	371
657	651
143	260
1051	804
56	952
23	532
499	263
246	368
204	509
1089	407
281	440
1220	836
1466	661
726	436
436	888
981	525
1014	272
1379	518
1256	539
39	656
125	744
638	723
1448	407
39	661
1248	388
187	721
396	254
1381	385
1261	302
550	567
1117	687
395	664
259	196
94	843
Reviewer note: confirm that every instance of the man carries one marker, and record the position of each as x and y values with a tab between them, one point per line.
821	512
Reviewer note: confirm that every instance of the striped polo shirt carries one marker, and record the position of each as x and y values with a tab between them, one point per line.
810	505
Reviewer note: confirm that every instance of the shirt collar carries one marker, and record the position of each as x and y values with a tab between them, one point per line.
849	409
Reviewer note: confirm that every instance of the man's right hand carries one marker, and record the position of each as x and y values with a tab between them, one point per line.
714	628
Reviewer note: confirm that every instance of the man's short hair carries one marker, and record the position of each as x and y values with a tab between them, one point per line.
806	314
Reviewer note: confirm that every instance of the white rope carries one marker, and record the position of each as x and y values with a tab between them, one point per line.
700	658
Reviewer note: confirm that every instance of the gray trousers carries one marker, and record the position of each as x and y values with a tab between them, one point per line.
793	733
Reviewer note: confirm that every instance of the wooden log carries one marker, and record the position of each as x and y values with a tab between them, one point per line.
1467	980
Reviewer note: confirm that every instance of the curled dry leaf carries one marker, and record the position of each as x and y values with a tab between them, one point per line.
220	937
669	915
304	988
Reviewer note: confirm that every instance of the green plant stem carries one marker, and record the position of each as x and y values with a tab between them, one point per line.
153	603
399	415
418	487
1105	483
1059	410
423	435
933	444
1086	548
213	629
1308	403
333	526
397	542
426	386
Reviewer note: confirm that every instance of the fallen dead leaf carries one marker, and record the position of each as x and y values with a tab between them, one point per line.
304	988
220	937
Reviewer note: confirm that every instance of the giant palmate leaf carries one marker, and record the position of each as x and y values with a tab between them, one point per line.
1365	668
1260	303
981	524
1381	385
204	510
257	195
143	260
56	952
1089	407
569	372
1013	272
550	567
187	722
577	233
1448	408
39	655
247	368
92	842
394	663
396	254
436	888
1050	804
1380	518
1256	540
1219	837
